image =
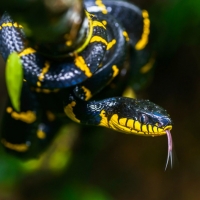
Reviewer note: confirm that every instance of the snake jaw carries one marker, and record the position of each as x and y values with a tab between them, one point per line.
170	149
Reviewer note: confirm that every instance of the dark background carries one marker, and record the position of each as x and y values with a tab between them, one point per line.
104	165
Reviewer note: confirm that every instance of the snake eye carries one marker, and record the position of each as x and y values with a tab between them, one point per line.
144	119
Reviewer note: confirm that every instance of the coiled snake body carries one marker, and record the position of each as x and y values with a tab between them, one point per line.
69	80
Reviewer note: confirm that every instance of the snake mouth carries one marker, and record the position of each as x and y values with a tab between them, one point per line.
131	126
158	131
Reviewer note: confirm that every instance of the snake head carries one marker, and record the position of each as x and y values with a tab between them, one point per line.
140	117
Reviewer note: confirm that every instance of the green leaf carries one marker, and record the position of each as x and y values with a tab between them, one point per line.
14	79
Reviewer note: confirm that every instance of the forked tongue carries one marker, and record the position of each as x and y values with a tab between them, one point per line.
170	146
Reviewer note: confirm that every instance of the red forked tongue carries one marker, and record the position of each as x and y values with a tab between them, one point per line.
170	146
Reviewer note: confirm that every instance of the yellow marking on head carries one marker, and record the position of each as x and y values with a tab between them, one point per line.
144	128
137	125
168	127
104	119
148	66
88	93
80	63
97	23
125	34
115	71
114	124
146	30
41	134
16	147
111	44
129	92
27	117
150	128
123	121
104	22
69	111
114	121
27	51
129	126
100	4
9	109
24	80
98	39
51	117
130	123
155	129
160	130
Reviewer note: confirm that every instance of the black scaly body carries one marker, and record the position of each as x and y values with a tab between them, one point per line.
115	29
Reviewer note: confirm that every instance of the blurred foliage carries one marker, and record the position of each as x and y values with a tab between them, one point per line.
177	22
99	164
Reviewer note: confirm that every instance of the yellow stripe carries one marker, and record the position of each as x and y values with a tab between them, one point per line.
102	6
41	134
137	126
130	123
44	71
97	23
88	93
155	129
26	52
146	30
104	22
115	71
122	121
87	41
16	147
129	92
80	63
98	39
148	66
104	119
9	109
42	90
8	24
69	111
125	34
111	44
27	117
144	128
150	128
17	25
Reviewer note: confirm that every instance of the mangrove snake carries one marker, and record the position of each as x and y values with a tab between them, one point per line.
115	34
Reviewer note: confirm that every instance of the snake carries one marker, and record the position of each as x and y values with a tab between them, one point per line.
70	82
